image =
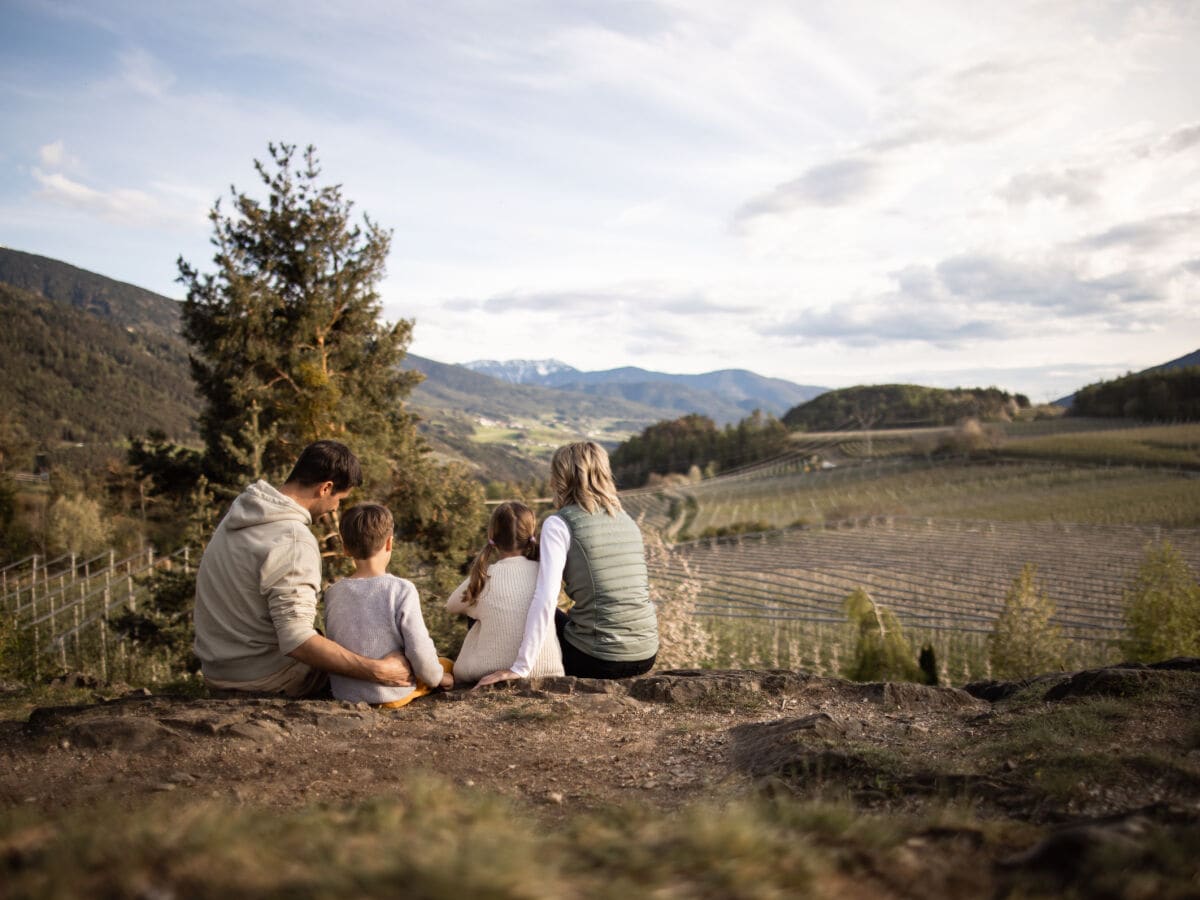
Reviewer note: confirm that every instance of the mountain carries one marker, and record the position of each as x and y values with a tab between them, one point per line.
89	360
1182	362
725	396
520	371
458	388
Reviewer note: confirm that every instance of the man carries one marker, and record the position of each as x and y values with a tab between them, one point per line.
257	586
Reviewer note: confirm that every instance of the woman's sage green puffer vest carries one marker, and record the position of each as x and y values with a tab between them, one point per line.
613	617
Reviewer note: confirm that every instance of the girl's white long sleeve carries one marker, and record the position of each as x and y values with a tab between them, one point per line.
539	623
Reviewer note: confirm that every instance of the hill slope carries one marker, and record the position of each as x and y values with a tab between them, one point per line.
73	375
899	406
1183	362
106	298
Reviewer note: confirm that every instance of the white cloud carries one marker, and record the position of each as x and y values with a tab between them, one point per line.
125	206
53	155
142	73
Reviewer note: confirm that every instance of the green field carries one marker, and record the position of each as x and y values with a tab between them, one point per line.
539	437
1161	445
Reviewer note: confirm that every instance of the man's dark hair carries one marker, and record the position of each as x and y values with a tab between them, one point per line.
365	528
327	461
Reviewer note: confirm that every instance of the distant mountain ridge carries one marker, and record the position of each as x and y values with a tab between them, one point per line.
520	371
726	395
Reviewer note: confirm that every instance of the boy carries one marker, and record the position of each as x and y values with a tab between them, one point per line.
373	613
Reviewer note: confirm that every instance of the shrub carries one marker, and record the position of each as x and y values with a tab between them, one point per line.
683	640
76	525
1162	608
881	652
1023	642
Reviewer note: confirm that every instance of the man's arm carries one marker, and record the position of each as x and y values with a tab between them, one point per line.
329	656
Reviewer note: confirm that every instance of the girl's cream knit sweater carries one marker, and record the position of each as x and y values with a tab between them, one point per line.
501	610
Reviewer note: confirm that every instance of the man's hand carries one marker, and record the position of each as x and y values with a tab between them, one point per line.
497	677
392	670
329	656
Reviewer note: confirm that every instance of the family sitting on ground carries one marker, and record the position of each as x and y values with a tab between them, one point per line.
260	577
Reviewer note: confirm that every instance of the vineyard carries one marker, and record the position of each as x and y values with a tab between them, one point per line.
59	610
782	494
776	547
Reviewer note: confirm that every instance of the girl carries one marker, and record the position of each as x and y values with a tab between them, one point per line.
594	549
497	595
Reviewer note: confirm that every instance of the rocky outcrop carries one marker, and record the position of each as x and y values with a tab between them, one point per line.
1123	680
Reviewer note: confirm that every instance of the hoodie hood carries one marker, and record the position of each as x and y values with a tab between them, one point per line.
261	503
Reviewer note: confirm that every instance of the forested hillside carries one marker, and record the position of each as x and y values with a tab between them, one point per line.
71	375
121	303
676	446
1164	393
902	406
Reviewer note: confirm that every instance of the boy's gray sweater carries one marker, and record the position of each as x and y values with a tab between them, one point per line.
374	617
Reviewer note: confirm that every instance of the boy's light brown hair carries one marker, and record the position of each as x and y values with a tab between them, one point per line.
365	529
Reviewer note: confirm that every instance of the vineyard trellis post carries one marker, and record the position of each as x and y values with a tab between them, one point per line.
37	669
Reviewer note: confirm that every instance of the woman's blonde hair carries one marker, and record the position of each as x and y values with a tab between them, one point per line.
511	528
579	474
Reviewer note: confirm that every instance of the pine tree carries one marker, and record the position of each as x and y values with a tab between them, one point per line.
287	343
1023	642
1162	608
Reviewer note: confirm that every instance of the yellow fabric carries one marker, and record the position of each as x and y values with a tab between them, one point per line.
421	689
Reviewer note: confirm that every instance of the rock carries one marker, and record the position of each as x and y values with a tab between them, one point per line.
127	733
1115	681
1178	663
796	747
257	731
905	695
729	687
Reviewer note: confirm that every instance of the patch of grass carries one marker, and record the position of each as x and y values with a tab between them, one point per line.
1060	727
17	706
534	712
729	699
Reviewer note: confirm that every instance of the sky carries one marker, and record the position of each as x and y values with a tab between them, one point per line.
834	193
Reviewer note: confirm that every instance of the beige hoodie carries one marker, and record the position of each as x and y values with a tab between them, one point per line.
256	589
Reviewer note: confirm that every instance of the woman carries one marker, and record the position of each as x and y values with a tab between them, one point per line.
594	550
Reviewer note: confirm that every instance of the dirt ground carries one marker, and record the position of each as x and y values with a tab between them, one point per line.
1081	755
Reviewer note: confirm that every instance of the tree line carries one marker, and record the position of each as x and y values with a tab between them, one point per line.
1157	395
678	445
